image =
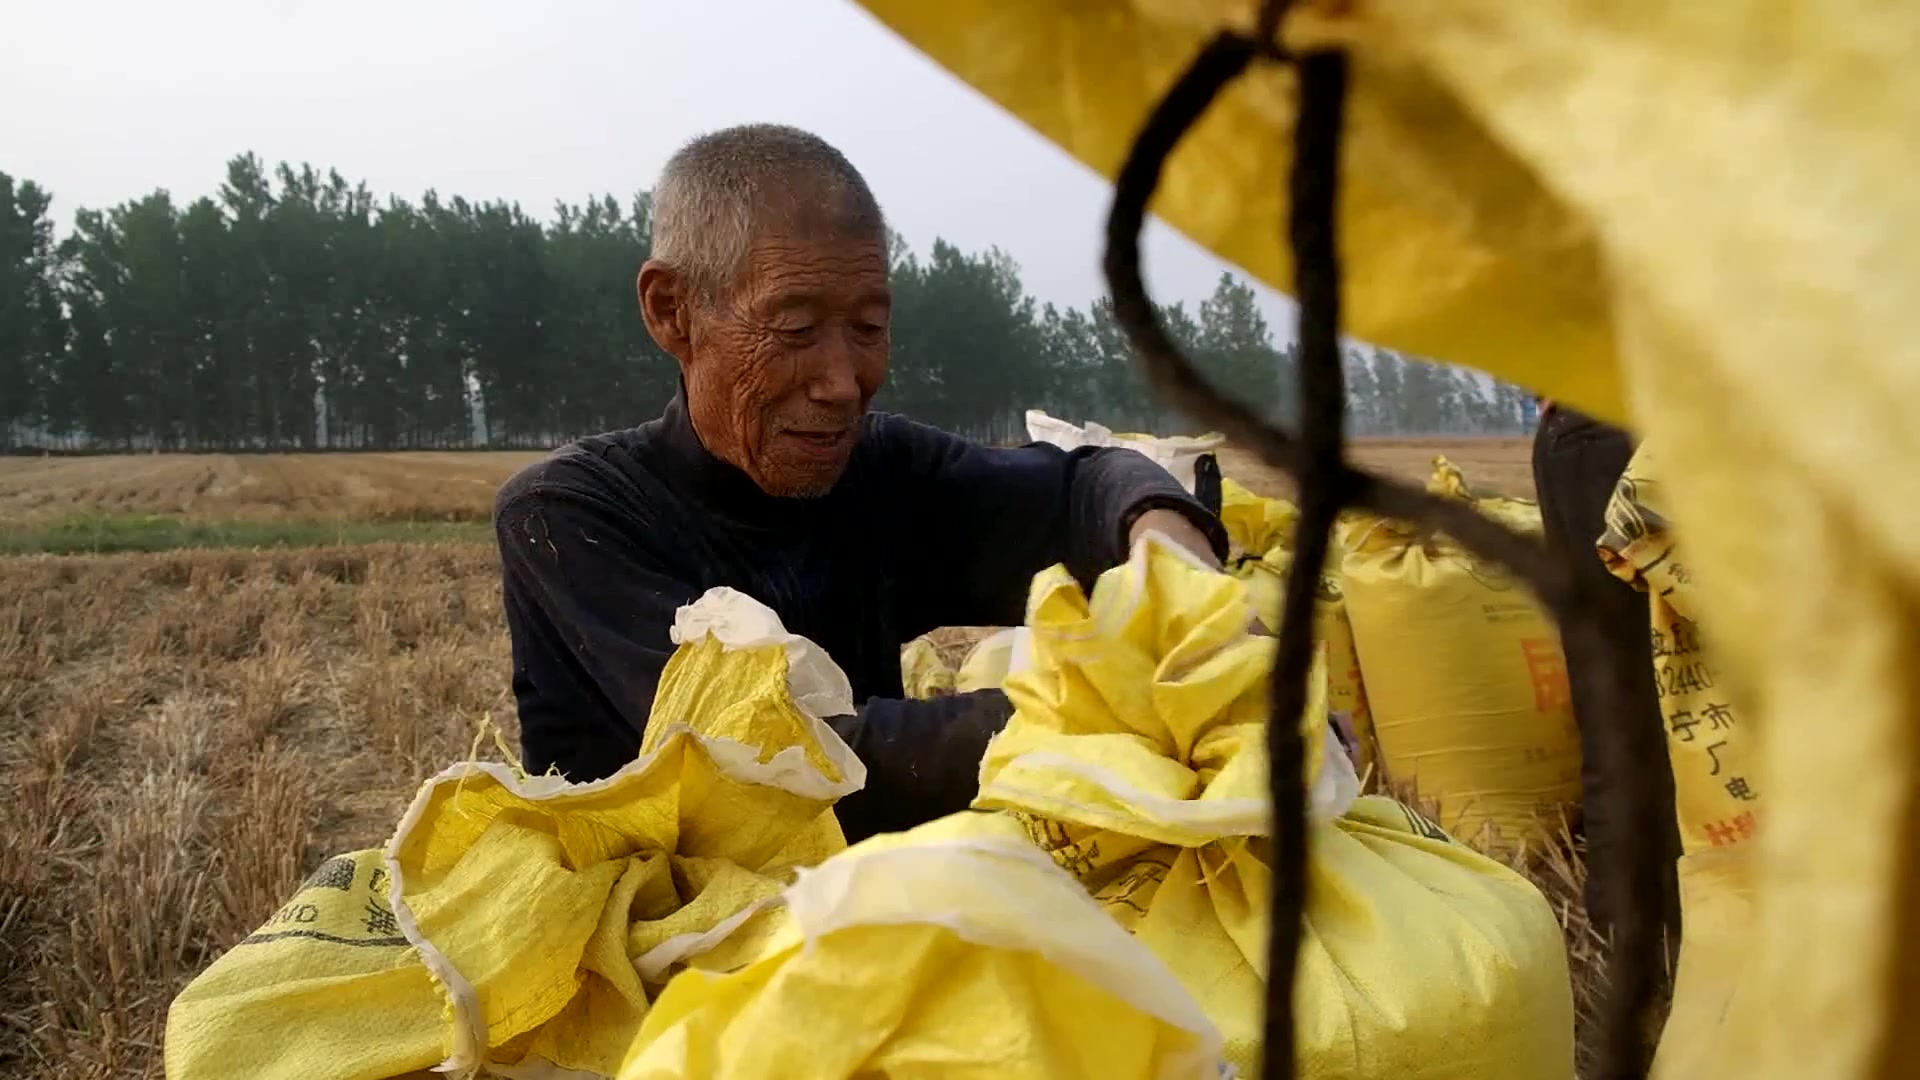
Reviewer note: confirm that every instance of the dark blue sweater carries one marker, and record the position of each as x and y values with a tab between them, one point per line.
603	540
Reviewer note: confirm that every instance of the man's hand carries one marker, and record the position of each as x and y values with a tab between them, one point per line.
1174	526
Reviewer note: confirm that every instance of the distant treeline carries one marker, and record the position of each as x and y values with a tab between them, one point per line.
295	311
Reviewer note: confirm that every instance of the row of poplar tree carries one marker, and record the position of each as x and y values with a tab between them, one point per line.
294	310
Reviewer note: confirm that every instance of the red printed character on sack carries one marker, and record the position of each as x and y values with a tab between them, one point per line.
1731	831
1547	667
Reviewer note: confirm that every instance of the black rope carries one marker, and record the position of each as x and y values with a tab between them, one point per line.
1315	185
1327	483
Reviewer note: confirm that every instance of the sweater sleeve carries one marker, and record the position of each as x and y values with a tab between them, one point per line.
987	519
589	613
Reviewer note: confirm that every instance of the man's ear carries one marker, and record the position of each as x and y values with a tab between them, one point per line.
666	309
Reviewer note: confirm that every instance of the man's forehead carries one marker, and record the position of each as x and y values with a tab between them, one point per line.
823	264
774	247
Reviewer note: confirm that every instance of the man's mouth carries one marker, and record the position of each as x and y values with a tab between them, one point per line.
822	441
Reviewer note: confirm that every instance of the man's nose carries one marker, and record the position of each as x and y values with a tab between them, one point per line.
833	379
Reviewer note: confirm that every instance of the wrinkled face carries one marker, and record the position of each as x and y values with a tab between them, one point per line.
781	369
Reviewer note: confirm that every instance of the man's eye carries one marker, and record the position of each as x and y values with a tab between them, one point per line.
794	333
869	329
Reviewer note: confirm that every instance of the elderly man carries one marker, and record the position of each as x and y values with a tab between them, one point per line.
767	473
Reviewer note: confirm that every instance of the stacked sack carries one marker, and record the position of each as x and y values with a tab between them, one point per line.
1718	792
662	922
1136	759
1473	679
1716	789
1261	533
1464	675
923	671
1102	911
1178	454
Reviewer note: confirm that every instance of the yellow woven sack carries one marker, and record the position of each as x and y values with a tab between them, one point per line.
1255	524
1266	580
922	670
1346	690
1178	454
1611	203
523	923
328	986
1521	515
549	912
985	667
954	950
1466	683
1716	786
1136	758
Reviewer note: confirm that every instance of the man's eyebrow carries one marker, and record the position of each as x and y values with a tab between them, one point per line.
794	300
815	299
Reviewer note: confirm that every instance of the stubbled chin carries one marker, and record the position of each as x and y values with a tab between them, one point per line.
802	482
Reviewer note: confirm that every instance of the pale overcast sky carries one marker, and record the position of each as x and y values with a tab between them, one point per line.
535	102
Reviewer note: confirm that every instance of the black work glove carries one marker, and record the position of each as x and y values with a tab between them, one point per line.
922	759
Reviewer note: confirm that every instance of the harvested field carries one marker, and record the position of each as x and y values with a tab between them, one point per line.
414	487
184	736
460	486
1493	466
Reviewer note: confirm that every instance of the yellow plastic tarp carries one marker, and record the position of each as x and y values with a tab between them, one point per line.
954	950
1451	244
541	917
1136	759
1696	217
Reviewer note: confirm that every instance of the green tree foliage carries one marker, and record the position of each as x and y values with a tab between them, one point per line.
293	310
32	327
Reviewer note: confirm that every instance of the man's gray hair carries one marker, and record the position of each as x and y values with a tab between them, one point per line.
720	191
